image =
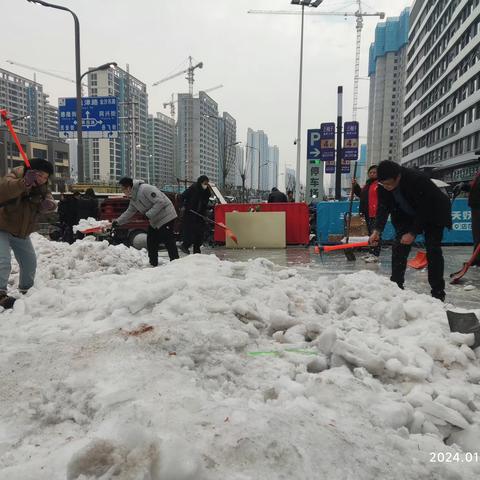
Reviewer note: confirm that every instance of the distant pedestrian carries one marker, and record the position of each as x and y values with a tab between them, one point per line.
24	195
276	196
368	206
159	210
195	202
88	205
290	197
68	215
416	206
473	189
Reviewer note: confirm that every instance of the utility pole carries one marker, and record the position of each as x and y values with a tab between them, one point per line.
338	167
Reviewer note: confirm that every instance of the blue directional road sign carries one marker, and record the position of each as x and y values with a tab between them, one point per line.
313	144
99	117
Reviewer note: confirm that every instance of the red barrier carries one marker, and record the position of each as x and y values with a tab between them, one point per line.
297	219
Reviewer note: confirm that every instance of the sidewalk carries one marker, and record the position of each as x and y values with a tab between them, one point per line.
313	265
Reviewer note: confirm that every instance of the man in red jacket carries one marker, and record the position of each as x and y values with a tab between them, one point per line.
368	207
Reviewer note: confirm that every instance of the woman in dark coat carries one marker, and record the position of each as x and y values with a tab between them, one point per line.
195	201
88	205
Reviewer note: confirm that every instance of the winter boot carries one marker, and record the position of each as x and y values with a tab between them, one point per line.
184	249
440	295
6	302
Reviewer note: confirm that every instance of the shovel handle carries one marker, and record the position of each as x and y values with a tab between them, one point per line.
345	246
9	124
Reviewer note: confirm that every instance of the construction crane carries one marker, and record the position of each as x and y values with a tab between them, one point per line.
189	71
40	70
359	14
172	102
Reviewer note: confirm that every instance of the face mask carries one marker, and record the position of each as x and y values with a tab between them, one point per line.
204	186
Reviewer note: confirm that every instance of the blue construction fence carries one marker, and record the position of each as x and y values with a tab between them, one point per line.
330	221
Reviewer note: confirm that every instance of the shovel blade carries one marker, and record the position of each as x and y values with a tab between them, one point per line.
420	260
465	323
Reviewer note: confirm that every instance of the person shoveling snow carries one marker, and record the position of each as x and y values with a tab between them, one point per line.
159	210
24	194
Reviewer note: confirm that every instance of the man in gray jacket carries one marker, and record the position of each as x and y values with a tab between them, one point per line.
159	210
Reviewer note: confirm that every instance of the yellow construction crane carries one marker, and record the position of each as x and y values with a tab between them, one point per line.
359	14
172	102
189	71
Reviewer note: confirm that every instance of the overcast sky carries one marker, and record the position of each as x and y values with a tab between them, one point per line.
255	57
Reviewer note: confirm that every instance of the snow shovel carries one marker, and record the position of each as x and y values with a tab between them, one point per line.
344	247
228	232
92	230
465	323
349	254
419	262
8	122
455	277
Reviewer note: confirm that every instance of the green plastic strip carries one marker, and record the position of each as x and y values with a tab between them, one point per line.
278	352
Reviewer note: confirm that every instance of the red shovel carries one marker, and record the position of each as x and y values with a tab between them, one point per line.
420	260
457	276
8	122
345	246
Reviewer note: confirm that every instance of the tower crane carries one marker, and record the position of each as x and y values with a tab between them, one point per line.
40	70
172	102
189	71
359	15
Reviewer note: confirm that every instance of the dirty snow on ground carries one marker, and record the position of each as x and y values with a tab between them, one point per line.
113	370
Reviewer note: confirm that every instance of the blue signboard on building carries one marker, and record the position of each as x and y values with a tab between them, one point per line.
327	142
350	141
330	221
313	144
99	117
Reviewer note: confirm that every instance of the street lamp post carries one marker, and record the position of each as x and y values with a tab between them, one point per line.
78	81
258	150
303	3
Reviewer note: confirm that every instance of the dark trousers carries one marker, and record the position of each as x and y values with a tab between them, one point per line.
433	240
157	236
193	235
371	227
476	231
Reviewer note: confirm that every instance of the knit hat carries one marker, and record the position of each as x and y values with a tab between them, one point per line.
42	165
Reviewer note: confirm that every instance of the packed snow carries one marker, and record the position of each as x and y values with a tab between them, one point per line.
90	222
210	369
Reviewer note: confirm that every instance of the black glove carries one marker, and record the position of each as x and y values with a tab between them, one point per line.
115	224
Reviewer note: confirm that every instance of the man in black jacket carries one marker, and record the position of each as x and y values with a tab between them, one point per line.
195	202
416	206
276	196
473	189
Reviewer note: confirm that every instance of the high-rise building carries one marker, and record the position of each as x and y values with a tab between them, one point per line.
239	164
161	150
387	67
197	134
257	158
273	166
227	136
25	98
107	160
442	103
290	179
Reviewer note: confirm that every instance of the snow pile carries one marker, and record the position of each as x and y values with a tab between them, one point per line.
208	369
84	259
88	223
